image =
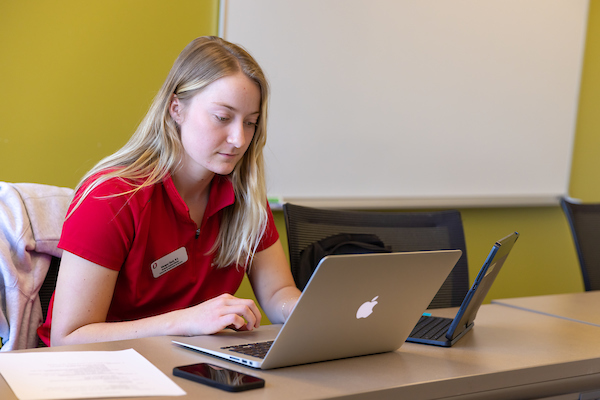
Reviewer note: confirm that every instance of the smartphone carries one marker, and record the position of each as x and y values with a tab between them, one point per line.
222	378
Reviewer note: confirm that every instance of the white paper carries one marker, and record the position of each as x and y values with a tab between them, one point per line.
84	374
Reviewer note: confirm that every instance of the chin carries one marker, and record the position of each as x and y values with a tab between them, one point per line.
223	171
222	167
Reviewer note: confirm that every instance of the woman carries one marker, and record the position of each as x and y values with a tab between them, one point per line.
160	234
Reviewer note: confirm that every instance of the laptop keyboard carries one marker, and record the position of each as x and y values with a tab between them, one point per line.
431	328
258	349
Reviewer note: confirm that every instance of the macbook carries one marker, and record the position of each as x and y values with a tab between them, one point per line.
353	305
446	331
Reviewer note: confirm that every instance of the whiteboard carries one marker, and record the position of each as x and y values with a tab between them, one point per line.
416	103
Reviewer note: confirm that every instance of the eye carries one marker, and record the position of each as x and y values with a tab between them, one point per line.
221	119
252	124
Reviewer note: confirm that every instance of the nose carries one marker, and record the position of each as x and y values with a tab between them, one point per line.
236	135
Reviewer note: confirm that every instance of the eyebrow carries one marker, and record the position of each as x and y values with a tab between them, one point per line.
233	108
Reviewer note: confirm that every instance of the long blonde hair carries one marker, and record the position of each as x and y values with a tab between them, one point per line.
155	149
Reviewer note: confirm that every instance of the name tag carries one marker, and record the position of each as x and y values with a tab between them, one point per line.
169	262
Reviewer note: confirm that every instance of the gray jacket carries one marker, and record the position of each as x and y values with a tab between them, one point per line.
31	218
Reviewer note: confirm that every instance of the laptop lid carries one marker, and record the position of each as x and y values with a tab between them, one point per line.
483	282
353	305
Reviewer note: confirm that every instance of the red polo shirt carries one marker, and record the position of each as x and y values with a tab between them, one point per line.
149	237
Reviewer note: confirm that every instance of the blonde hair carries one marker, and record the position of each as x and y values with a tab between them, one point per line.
155	149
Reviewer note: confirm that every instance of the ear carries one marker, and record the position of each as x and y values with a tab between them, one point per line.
175	109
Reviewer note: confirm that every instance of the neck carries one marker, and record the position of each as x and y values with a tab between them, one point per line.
192	189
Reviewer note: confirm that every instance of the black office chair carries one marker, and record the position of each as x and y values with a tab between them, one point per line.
47	289
584	220
399	231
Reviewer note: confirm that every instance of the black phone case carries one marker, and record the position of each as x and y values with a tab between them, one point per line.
230	388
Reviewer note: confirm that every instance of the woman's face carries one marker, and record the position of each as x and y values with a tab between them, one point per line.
218	124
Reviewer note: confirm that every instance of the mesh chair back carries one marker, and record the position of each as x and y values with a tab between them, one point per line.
47	289
584	220
400	231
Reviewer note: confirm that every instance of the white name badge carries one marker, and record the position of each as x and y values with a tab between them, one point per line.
169	262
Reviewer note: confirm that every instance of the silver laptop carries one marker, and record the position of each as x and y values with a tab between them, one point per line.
353	305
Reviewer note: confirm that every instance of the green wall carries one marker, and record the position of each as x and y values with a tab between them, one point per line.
76	77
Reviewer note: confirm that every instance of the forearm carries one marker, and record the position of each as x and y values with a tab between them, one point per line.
273	283
205	318
164	324
280	305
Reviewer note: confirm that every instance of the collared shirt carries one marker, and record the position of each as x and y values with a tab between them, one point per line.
164	259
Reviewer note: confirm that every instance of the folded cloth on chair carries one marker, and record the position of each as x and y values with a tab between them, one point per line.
31	218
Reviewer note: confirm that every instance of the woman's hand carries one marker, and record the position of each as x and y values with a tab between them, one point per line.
214	315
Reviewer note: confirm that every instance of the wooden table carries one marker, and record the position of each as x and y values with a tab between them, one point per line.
510	353
581	307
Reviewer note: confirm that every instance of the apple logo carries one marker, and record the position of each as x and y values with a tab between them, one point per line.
366	308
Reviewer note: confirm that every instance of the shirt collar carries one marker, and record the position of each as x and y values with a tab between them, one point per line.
221	195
